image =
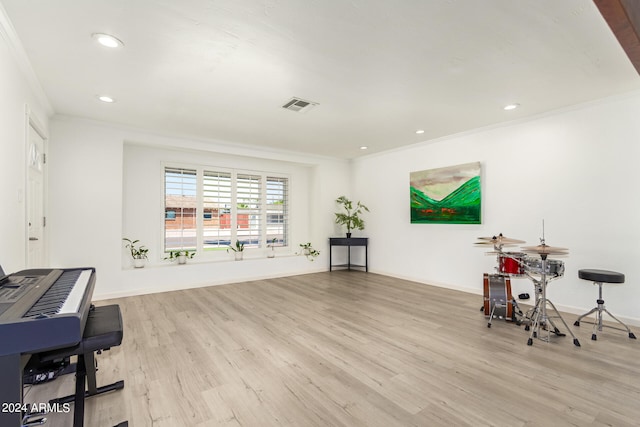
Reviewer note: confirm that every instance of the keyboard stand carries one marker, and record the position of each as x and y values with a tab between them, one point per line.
102	331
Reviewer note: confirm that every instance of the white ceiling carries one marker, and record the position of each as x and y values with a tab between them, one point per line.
379	69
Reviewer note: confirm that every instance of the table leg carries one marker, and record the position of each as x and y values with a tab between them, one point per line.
330	263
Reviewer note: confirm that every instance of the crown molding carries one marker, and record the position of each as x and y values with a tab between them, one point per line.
9	35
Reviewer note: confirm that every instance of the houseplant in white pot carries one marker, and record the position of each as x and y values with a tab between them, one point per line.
308	251
138	253
350	218
180	255
238	250
271	252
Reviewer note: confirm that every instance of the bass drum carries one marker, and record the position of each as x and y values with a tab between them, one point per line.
497	296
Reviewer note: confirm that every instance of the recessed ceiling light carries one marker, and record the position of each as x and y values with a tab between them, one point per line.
106	99
107	40
511	106
364	147
420	131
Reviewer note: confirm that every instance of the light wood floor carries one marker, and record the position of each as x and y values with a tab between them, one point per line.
350	349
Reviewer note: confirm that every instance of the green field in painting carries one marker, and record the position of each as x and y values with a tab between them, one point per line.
461	206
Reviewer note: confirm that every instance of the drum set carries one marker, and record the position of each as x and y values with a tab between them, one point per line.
530	262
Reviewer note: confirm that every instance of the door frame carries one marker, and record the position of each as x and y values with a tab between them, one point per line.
33	123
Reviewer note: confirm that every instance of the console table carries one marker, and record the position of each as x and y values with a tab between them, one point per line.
349	241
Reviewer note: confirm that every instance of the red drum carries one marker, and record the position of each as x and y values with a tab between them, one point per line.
498	300
512	263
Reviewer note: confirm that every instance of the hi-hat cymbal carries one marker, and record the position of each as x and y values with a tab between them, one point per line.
545	250
501	239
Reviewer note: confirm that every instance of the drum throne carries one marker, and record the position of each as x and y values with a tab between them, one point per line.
599	277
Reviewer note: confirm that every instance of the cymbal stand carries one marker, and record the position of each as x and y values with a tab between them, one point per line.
537	284
540	318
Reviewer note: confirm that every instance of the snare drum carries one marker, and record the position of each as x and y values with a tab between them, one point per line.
511	263
555	267
497	296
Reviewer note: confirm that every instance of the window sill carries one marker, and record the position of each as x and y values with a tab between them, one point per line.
195	261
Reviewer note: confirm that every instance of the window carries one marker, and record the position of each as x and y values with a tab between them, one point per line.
217	205
277	208
179	208
208	210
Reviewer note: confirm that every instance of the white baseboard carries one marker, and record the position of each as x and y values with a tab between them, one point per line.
181	287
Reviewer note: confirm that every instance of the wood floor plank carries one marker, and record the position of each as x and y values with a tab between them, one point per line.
350	349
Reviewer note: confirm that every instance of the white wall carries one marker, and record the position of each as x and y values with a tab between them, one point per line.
577	169
91	166
18	97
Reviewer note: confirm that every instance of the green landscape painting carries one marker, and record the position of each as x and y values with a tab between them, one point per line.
449	195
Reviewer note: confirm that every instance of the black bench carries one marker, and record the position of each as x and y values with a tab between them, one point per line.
102	331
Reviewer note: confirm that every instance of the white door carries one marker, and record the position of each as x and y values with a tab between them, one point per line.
35	200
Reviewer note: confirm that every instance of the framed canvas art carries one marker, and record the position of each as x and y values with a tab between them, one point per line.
449	195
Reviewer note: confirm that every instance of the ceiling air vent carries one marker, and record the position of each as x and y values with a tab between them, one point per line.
299	105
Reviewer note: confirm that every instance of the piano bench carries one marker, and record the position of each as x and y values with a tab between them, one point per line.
102	331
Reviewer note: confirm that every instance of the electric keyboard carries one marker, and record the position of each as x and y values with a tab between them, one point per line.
40	310
44	309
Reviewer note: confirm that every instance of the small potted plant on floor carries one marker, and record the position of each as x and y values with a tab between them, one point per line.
351	217
308	251
238	250
180	255
138	253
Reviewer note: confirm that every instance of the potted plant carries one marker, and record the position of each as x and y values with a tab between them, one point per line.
138	253
351	217
309	251
180	255
238	250
271	253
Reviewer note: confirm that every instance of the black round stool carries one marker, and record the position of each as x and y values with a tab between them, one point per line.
599	277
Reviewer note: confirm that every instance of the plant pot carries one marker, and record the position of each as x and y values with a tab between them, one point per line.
238	255
271	253
306	251
348	235
138	262
182	259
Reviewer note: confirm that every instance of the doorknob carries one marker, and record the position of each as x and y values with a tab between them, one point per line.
32	239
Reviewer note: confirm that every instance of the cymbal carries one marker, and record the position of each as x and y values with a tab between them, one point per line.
545	250
490	243
501	239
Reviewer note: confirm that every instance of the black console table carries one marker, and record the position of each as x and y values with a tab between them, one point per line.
349	241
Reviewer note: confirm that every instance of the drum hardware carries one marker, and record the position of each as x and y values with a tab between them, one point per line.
519	264
540	318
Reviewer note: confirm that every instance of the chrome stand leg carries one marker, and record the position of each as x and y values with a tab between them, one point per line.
598	324
631	335
577	322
